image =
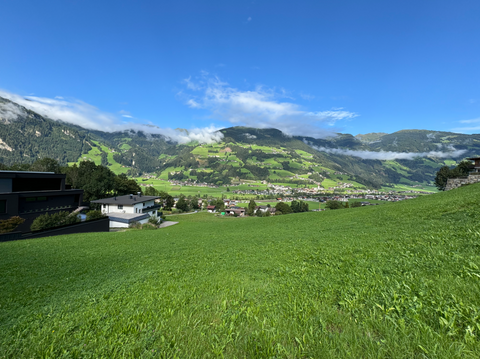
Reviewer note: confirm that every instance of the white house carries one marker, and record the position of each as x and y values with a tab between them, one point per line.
124	210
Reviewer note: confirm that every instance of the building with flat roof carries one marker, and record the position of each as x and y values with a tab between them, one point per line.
31	194
125	210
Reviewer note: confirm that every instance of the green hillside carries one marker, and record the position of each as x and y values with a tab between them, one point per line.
243	154
399	280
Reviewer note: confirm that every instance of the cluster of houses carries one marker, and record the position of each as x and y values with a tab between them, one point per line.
231	209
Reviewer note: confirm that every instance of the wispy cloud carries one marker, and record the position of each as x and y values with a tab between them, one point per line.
90	117
260	108
10	112
389	155
467	129
249	19
306	96
475	120
126	114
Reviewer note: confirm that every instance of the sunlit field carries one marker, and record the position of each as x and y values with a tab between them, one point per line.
400	280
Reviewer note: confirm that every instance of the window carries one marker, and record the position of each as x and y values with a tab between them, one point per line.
120	206
30	199
3	206
104	206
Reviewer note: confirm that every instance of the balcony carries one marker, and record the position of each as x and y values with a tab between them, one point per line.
151	208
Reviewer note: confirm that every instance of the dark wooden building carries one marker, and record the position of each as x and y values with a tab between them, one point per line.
476	164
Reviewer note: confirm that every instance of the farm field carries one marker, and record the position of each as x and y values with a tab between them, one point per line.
163	185
399	280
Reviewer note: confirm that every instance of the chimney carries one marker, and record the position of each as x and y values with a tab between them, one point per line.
131	196
139	194
115	198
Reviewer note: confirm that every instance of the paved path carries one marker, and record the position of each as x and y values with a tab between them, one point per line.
167	224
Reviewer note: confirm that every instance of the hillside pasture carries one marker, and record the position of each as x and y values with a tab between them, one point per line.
392	281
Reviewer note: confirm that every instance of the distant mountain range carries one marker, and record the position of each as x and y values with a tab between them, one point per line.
407	157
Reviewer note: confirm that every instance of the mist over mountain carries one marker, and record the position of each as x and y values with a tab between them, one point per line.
375	159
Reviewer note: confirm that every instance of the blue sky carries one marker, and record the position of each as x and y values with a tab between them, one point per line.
306	67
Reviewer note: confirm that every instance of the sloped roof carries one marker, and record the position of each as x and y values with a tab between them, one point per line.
125	200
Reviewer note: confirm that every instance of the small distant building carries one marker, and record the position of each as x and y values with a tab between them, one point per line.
261	208
125	210
240	212
211	209
476	164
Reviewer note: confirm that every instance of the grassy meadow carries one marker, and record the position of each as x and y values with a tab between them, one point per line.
401	280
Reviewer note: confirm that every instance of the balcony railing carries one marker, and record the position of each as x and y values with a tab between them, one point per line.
151	208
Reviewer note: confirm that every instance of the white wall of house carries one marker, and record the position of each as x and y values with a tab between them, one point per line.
136	208
115	224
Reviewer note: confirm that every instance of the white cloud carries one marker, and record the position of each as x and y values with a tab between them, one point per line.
475	120
306	96
249	19
389	155
260	108
10	112
475	128
193	104
126	114
87	116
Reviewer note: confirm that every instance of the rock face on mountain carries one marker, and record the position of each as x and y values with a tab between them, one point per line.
405	157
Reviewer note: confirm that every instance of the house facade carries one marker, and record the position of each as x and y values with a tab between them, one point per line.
30	194
128	209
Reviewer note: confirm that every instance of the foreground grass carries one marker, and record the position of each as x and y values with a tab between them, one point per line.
399	280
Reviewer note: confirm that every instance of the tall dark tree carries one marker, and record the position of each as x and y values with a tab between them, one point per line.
96	181
182	204
251	208
282	208
151	191
124	185
168	201
194	203
45	165
443	174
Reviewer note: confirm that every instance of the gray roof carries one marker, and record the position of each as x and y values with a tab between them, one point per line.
126	200
127	217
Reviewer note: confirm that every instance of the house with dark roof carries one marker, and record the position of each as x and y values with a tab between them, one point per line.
239	211
125	210
211	209
30	194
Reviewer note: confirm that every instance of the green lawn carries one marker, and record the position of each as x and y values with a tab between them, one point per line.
328	183
399	280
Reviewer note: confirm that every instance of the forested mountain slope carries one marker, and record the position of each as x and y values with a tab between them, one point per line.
405	157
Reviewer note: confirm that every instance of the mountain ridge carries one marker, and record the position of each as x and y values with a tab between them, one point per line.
373	160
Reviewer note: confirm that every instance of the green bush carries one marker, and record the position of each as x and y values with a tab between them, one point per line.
94	215
154	221
8	225
334	205
46	220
